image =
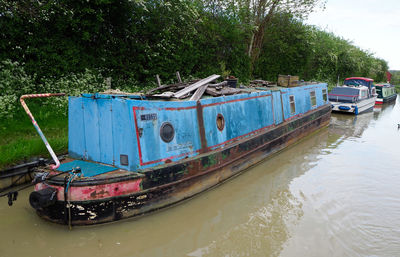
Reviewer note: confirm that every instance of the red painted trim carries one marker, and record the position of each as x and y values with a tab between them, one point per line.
193	107
236	100
140	148
310	88
95	192
206	105
137	134
170	157
239	137
177	108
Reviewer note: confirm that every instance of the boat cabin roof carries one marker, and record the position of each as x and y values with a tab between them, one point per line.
348	94
169	95
347	91
359	78
384	85
359	81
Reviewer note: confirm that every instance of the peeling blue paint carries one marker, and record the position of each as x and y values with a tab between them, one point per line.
103	127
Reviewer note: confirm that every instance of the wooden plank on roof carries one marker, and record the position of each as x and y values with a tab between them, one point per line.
199	93
195	86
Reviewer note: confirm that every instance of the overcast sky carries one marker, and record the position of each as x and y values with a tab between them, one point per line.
372	25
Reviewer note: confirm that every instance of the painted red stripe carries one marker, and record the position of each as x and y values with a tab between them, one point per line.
170	157
177	108
192	107
235	100
240	137
137	134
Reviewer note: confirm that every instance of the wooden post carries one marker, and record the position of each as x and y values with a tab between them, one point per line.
178	76
158	80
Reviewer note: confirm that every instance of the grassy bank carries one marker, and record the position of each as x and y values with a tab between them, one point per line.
19	140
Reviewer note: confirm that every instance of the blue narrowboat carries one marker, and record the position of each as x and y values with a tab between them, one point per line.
130	155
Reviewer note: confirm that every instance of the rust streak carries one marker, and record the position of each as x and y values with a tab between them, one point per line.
202	132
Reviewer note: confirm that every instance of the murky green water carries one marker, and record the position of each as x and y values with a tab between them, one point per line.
335	193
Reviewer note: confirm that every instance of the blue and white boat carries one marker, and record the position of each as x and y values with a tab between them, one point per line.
357	95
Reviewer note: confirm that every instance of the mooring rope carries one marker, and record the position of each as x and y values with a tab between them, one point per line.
40	177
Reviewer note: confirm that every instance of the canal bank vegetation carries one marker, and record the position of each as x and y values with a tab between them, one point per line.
396	79
86	46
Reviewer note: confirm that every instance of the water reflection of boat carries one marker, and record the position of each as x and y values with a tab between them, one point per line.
355	96
381	108
345	126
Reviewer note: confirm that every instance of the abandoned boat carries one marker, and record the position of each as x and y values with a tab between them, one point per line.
386	93
130	154
357	95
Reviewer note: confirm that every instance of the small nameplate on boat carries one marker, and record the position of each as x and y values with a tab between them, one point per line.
150	116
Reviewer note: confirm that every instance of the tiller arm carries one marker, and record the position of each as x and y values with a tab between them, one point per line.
53	155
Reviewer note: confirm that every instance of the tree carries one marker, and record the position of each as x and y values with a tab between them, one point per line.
257	15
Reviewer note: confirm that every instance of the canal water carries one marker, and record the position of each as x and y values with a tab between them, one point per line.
335	193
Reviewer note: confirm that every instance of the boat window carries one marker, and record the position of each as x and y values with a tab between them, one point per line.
324	95
167	132
220	122
363	93
313	98
292	104
373	91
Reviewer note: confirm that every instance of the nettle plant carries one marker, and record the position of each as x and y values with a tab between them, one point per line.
14	82
72	84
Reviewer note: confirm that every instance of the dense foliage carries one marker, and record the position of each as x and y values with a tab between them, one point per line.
291	47
395	77
74	45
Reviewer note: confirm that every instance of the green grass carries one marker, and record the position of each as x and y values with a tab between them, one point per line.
20	142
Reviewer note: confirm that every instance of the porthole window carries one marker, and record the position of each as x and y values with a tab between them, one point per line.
167	132
220	122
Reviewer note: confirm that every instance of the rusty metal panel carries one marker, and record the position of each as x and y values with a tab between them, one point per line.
244	115
302	99
105	121
91	130
148	120
277	107
124	137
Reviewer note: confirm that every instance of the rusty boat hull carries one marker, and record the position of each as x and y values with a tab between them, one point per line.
122	194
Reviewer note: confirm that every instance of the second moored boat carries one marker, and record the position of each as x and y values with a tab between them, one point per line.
386	93
357	95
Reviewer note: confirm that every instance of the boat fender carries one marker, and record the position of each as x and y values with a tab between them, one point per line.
43	198
356	110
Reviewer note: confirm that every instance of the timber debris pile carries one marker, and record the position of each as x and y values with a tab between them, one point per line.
194	89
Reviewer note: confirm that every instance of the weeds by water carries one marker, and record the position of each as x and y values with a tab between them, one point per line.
20	142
